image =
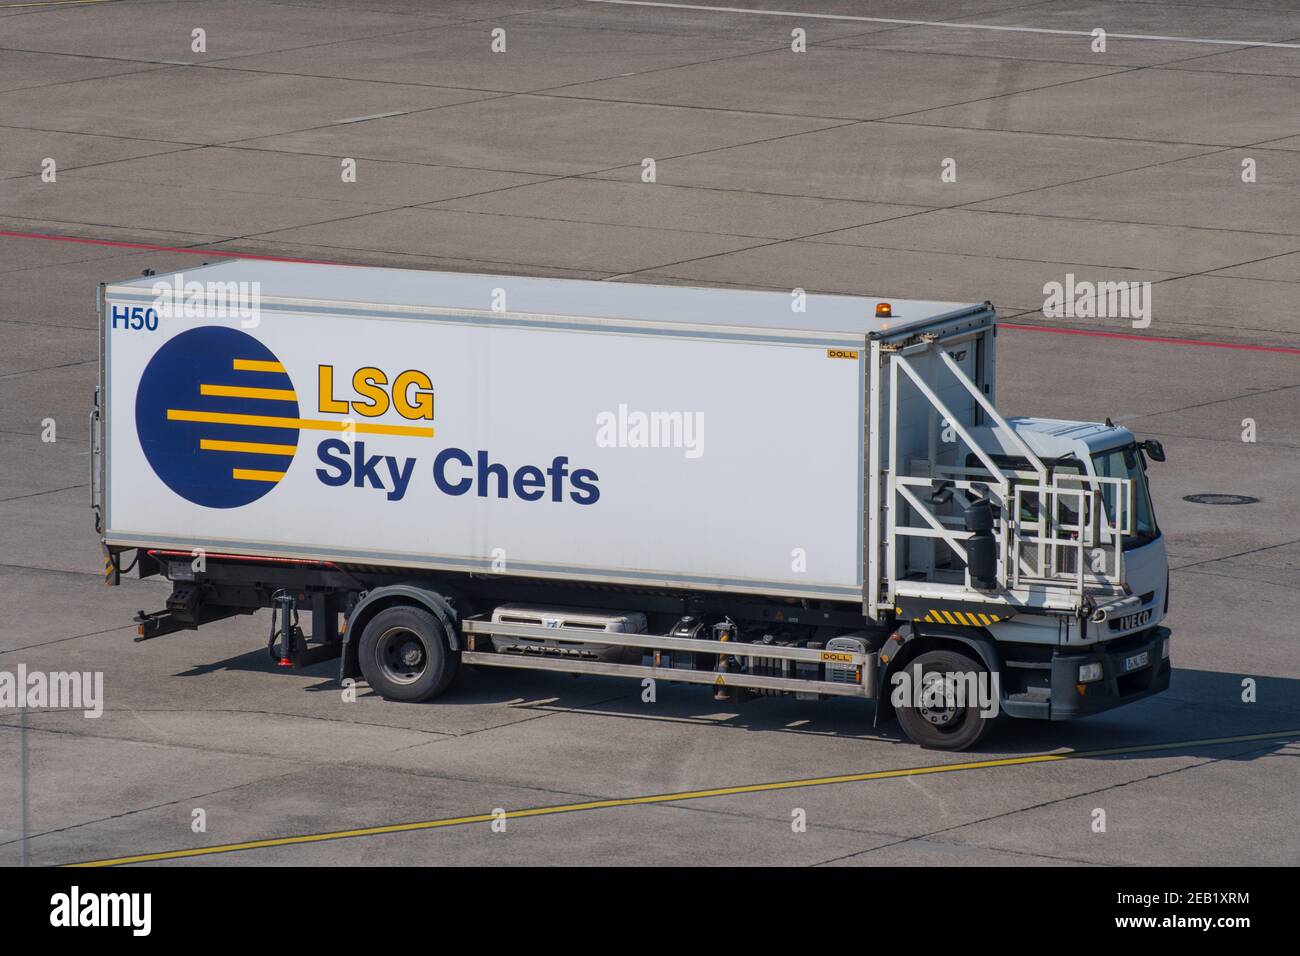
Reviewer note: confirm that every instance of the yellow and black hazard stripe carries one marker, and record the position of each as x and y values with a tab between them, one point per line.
968	618
960	615
112	574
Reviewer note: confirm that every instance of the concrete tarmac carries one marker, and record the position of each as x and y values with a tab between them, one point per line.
1173	159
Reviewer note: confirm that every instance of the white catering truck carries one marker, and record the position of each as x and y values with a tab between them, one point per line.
761	492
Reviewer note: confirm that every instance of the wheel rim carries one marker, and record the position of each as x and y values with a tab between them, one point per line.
945	717
401	655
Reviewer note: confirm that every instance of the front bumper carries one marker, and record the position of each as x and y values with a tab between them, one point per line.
1116	687
1056	695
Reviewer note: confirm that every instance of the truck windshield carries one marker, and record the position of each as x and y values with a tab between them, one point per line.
1127	462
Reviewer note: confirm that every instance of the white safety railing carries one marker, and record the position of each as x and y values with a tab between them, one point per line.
1050	547
1058	530
941	526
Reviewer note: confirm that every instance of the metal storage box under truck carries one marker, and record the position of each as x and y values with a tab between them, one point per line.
757	492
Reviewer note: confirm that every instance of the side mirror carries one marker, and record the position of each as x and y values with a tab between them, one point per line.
942	493
1154	450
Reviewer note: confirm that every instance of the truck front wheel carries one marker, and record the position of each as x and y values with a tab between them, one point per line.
935	720
404	654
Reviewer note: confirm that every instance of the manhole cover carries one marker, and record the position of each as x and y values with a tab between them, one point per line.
1218	499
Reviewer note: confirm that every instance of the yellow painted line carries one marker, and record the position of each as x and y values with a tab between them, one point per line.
256	365
674	797
250	447
272	421
240	391
253	474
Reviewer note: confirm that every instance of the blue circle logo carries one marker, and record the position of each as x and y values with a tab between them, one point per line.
217	417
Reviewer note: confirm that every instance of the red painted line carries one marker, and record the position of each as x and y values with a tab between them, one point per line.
1280	349
1284	350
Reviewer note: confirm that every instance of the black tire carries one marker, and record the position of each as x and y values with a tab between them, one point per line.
404	654
944	728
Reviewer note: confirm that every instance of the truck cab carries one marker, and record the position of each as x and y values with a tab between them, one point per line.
1030	544
1098	506
1101	451
1076	619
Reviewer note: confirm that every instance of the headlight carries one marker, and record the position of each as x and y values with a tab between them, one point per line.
1164	649
1089	672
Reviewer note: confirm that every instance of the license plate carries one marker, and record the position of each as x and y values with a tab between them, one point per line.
1137	661
1134	620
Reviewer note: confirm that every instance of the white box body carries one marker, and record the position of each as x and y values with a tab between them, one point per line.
757	483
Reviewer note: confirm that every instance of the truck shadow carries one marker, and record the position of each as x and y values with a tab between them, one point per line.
1203	712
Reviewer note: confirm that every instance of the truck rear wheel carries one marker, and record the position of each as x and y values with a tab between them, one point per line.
942	725
404	654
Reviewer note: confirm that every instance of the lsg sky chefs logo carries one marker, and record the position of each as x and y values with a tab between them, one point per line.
220	423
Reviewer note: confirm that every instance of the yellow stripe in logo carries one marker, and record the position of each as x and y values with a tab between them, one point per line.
256	365
271	421
239	391
252	474
250	447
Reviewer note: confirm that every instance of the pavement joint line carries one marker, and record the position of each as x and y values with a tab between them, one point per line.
560	177
944	23
1107	788
1165	340
50	3
1254	392
554	178
372	116
47	491
652	799
956	206
1238	554
1242	580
